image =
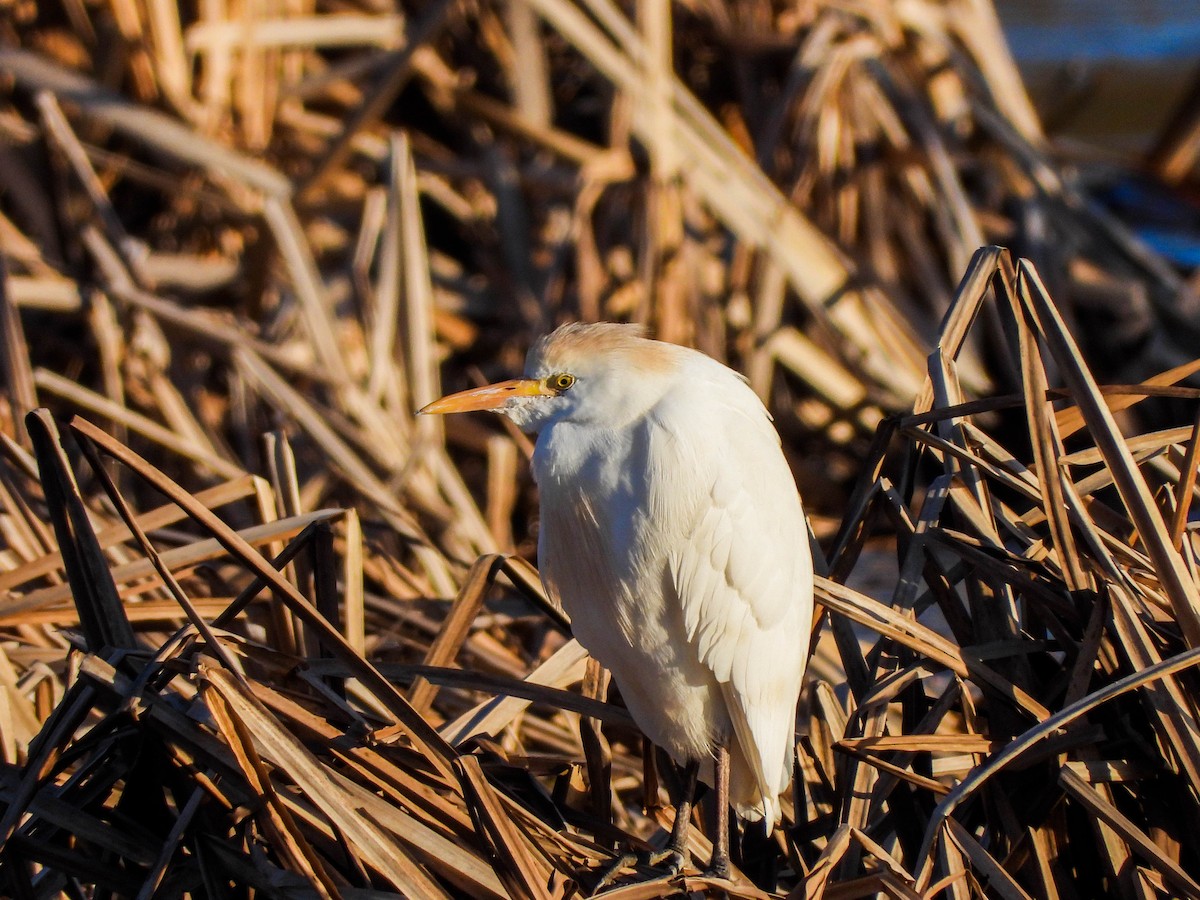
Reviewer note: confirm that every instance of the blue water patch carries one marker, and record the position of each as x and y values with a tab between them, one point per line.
1165	219
1180	247
1098	41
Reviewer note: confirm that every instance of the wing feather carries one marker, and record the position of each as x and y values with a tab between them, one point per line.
740	568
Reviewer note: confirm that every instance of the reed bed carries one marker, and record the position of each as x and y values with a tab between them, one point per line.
263	632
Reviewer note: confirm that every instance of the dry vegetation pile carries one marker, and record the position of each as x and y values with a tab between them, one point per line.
263	632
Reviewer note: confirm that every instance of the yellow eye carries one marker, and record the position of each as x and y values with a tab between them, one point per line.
561	382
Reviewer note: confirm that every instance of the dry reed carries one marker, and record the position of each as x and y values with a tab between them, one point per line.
264	632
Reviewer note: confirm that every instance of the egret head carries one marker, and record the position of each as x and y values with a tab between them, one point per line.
584	373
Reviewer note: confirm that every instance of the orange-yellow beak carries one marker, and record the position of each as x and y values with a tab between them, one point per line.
491	396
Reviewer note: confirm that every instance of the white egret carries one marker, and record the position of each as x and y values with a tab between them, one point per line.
672	534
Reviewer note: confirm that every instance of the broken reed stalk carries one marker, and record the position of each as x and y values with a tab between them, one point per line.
967	742
298	682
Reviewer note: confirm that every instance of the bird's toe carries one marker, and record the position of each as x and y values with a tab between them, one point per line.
666	864
718	868
671	860
610	872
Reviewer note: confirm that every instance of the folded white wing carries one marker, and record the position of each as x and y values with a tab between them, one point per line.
743	576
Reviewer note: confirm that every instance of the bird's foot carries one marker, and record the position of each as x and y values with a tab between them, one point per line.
613	869
669	862
718	867
670	859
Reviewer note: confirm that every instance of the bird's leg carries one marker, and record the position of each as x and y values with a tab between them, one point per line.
718	864
675	855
